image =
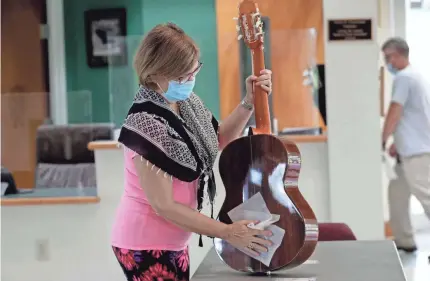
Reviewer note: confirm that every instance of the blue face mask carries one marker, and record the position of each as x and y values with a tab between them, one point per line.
391	69
179	92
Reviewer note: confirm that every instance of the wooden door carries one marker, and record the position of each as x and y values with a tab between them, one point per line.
23	89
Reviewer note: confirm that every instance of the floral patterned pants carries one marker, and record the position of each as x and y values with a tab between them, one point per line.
154	265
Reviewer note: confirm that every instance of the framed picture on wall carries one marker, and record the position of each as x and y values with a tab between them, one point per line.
105	33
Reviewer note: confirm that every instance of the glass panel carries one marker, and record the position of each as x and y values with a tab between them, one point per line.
40	159
296	79
82	106
123	83
291	55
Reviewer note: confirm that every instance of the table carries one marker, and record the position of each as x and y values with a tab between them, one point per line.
331	261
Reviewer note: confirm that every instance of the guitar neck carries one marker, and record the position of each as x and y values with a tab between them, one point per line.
261	97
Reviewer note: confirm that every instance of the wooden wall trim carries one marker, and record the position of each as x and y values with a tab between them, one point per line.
49	201
97	145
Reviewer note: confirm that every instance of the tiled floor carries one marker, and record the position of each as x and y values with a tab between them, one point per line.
417	265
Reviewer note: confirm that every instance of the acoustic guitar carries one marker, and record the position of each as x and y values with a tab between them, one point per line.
249	165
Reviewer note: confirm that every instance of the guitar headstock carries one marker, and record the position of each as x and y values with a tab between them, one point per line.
249	24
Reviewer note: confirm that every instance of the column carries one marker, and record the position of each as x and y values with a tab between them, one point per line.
354	134
57	62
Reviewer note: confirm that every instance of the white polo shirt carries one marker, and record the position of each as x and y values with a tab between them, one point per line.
412	135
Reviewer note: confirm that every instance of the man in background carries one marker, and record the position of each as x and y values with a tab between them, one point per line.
408	119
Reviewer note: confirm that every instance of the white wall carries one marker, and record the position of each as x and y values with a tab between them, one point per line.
418	24
77	236
314	178
77	243
354	147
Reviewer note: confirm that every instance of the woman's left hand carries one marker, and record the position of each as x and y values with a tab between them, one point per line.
264	81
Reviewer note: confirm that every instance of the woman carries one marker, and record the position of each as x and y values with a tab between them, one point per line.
171	141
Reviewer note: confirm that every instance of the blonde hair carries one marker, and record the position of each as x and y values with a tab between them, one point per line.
166	51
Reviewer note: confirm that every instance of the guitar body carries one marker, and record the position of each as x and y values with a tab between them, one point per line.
265	164
237	165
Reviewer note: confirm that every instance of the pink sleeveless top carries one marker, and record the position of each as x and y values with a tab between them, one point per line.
137	226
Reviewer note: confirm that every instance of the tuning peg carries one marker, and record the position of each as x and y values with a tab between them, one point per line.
255	15
237	28
239	37
306	72
307	82
236	19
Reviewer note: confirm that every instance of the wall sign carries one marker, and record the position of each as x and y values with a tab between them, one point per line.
349	29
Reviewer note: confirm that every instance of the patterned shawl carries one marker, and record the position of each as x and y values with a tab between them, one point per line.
184	146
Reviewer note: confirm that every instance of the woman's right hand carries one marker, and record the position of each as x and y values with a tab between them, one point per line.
242	237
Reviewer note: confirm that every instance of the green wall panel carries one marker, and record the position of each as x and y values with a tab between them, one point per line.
198	19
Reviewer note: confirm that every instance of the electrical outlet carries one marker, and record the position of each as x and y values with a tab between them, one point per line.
42	250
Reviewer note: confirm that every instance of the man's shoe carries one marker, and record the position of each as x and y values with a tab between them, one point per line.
407	249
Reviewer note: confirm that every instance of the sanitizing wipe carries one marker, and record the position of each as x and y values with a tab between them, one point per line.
256	209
